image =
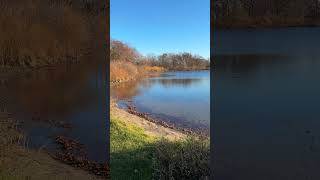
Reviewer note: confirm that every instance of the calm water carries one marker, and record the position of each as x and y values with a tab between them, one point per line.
266	95
181	98
74	94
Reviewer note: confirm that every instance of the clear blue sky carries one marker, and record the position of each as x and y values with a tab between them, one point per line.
159	26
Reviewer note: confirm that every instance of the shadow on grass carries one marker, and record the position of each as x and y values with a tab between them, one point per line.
135	164
135	155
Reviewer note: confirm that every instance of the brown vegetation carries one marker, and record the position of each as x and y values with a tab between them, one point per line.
153	68
44	32
185	159
265	13
122	52
128	64
123	71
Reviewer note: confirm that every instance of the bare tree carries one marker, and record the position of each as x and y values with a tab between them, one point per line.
120	51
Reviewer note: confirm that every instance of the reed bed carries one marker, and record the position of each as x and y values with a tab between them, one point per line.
39	33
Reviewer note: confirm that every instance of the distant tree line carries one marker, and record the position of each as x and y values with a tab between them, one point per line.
177	61
272	10
120	51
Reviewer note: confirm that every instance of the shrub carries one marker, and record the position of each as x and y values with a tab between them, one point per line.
184	159
122	71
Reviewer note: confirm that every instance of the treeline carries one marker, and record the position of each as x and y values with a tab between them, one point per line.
230	13
181	61
170	61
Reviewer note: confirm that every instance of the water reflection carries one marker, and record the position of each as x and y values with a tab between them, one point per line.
52	92
167	83
266	106
181	98
126	90
72	94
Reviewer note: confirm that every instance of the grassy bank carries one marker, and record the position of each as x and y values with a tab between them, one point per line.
138	153
19	163
131	151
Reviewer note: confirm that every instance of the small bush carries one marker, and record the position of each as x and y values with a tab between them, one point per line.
184	159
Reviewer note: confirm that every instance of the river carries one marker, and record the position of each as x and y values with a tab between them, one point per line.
66	94
180	98
266	104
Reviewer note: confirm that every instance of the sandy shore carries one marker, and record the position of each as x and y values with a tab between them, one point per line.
150	128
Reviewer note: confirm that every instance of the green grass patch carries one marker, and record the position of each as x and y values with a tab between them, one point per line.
131	151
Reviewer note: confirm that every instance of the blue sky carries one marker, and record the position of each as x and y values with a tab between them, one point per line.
159	26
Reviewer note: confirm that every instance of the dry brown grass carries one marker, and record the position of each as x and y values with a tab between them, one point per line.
153	69
37	33
123	71
184	159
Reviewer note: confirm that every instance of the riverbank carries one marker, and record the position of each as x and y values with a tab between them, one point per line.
151	129
17	162
141	149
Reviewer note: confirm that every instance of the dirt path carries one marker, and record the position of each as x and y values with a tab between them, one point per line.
26	164
150	128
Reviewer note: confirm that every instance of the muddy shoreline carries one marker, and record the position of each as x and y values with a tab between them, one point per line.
131	109
71	156
74	153
196	132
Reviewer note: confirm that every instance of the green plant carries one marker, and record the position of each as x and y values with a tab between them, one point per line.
131	151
